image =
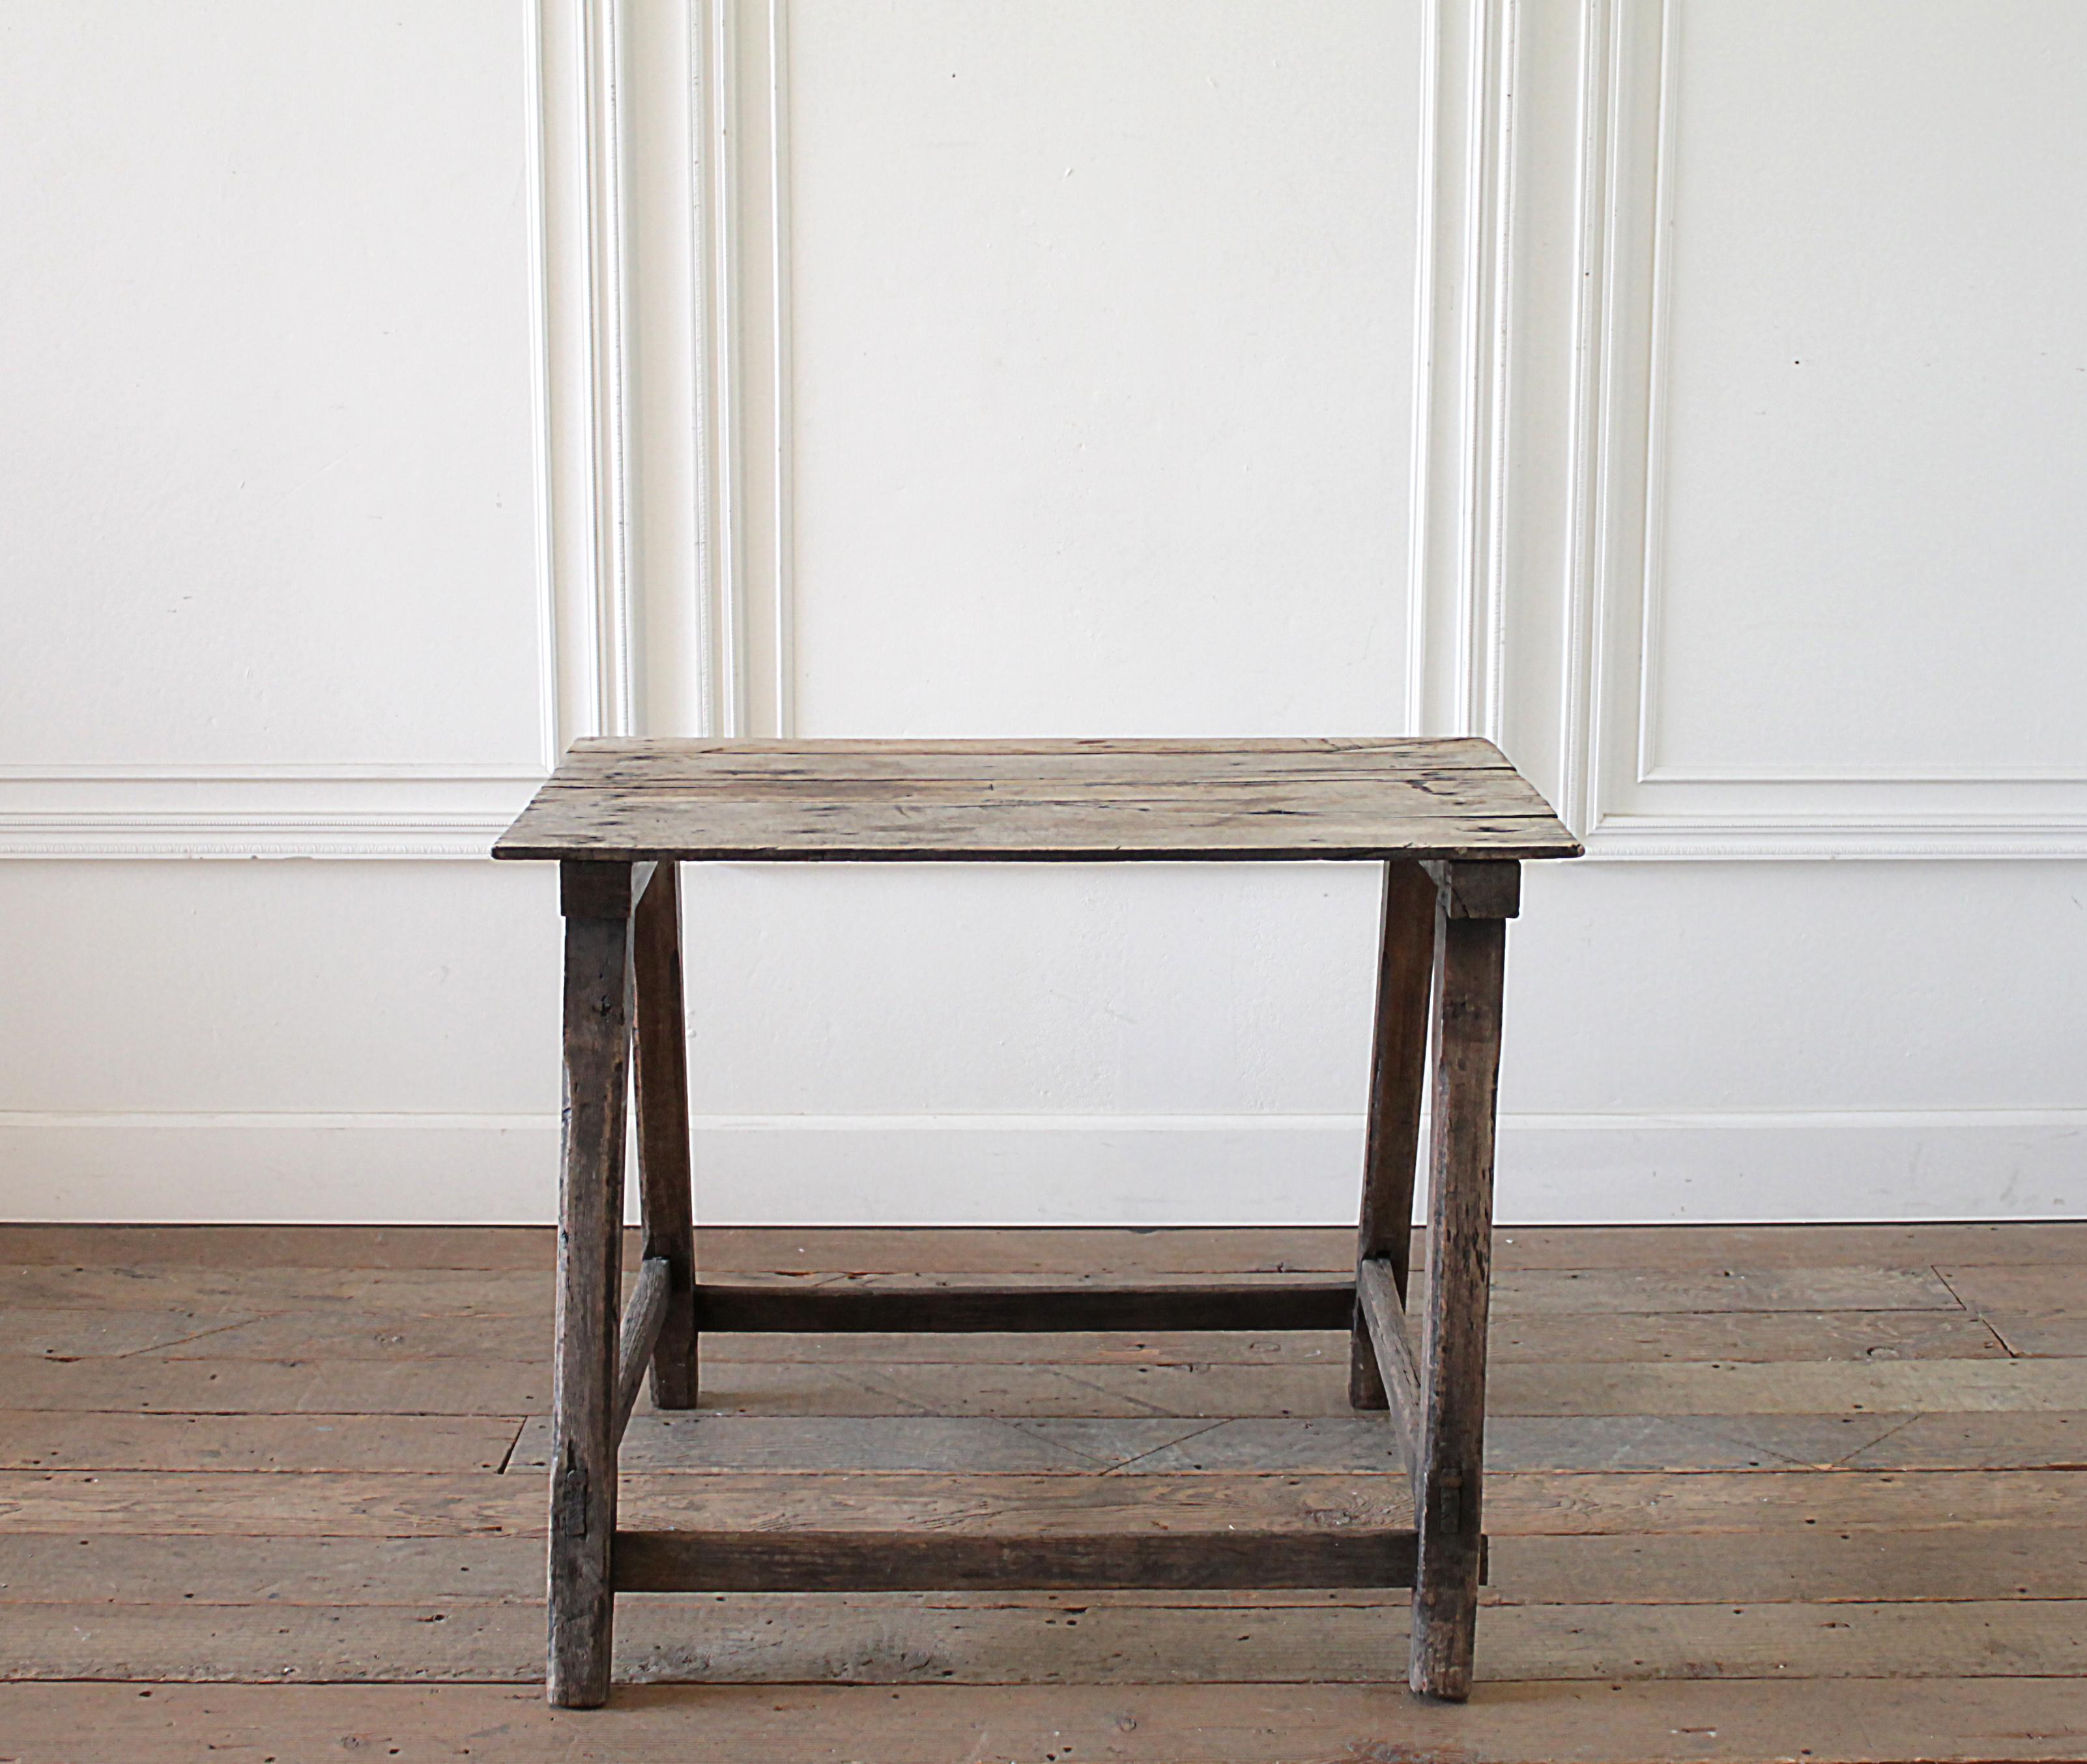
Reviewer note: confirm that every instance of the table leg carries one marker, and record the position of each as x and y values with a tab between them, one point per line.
596	900
1470	952
1406	960
666	1201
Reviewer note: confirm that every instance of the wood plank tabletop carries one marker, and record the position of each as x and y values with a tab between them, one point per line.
627	800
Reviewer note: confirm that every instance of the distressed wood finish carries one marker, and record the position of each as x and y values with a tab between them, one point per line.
217	1304
1939	1719
1108	1638
1706	1587
251	1579
642	1324
1470	957
1398	1377
1035	801
1450	821
857	1561
371	1253
661	1081
596	900
1014	1309
1398	1061
1647	1508
365	1341
1478	890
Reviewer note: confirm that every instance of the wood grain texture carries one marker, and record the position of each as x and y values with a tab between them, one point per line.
1398	1372
347	1335
109	1503
1234	1556
373	1251
310	1386
221	1299
583	1483
2042	1291
1902	1387
1398	1068
935	1306
2037	1311
1155	1446
642	1321
2038	1335
1478	890
659	1065
942	1639
1945	1562
1135	1444
656	802
1152	1445
1946	1720
1449	1470
1213	1390
1035	801
1787	1453
45	1440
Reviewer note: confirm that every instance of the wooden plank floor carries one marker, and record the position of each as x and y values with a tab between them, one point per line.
1817	1492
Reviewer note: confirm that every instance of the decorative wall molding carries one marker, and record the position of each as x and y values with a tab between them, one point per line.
668	458
1614	788
577	137
583	577
1585	483
701	261
396	811
747	416
1014	1169
1736	837
1456	610
659	215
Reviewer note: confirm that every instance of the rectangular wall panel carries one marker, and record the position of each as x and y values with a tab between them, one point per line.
270	442
1100	336
1873	394
1830	426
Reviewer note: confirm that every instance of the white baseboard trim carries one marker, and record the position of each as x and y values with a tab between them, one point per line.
1047	1169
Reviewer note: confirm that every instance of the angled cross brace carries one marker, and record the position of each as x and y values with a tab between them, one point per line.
1384	1319
642	1323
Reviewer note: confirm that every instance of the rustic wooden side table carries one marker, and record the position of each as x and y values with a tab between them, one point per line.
1450	821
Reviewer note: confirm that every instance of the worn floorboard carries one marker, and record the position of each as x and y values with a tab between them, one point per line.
1944	1562
1190	1249
103	1440
881	1640
1211	1391
1950	1720
345	1333
276	1493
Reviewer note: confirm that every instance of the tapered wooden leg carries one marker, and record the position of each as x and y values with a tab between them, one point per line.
665	1199
1469	961
1406	960
597	909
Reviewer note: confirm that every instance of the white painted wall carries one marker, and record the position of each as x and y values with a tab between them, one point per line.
400	389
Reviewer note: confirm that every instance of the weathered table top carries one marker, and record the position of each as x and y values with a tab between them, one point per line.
1035	801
